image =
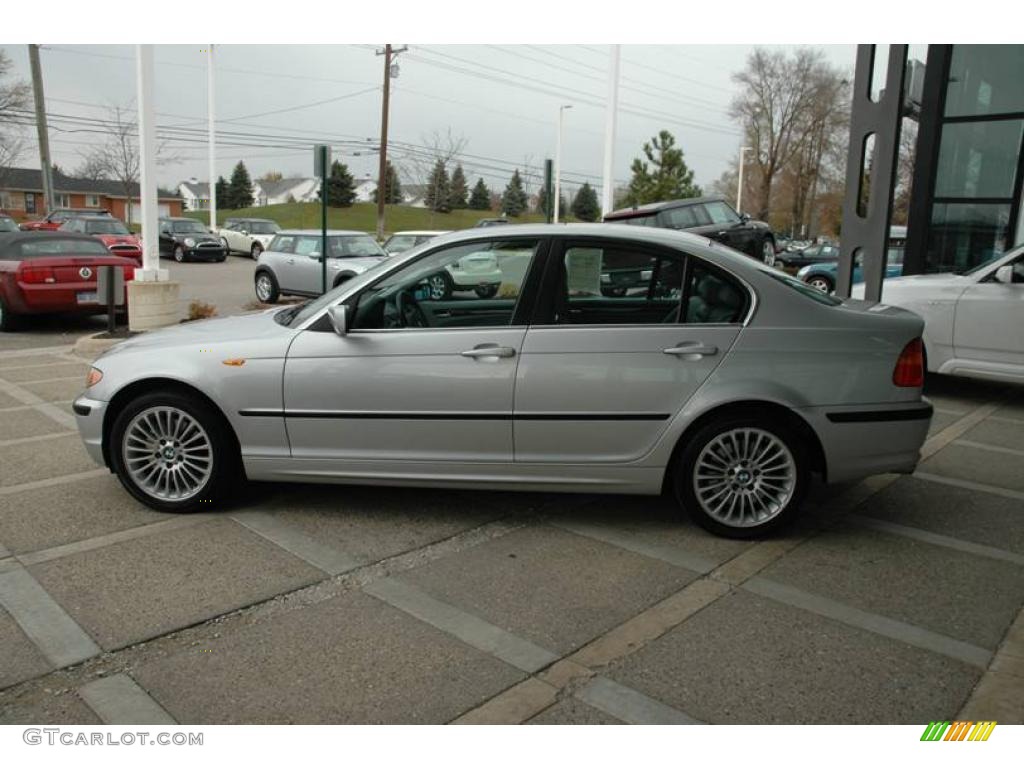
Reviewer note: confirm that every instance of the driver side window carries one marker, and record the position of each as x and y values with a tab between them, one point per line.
465	286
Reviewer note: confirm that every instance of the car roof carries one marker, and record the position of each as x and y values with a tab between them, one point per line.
95	217
640	210
417	232
249	218
318	232
8	239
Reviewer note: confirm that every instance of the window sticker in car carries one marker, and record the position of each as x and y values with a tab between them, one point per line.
583	268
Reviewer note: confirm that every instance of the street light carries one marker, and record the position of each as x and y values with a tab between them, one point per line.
739	185
558	162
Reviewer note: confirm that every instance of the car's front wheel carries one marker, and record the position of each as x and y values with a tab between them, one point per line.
768	252
267	289
257	249
179	254
225	245
440	285
742	476
172	452
821	282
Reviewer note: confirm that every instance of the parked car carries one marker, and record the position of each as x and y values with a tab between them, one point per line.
292	264
58	216
248	236
109	231
813	254
825	276
711	217
494	222
972	320
7	224
50	273
185	239
699	385
400	242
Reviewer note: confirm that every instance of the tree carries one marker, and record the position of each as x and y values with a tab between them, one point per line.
221	189
514	201
341	186
437	195
585	206
480	199
392	186
240	188
669	179
90	168
459	190
542	202
15	99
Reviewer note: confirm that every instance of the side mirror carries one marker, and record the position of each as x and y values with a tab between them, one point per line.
1005	274
744	217
339	319
245	232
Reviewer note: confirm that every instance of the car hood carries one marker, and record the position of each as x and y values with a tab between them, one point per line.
198	237
256	329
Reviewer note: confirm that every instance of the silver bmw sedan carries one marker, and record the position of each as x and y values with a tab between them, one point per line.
607	359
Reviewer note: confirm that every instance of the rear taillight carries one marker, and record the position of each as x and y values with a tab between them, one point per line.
909	370
29	274
129	273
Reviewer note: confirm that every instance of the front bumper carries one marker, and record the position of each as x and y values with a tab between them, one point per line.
89	415
864	440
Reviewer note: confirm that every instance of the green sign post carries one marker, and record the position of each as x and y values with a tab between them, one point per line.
321	162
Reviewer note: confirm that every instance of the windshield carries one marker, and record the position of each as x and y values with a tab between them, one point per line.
801	287
186	227
987	263
264	228
353	245
112	227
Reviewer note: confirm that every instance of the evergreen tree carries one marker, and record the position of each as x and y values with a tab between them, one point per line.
341	187
239	192
585	206
392	186
480	200
669	179
438	190
514	201
459	190
221	189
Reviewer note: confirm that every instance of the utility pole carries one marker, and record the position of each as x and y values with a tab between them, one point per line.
739	181
387	53
611	110
41	128
558	161
212	140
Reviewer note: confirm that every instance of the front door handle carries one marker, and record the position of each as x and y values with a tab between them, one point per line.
695	348
488	350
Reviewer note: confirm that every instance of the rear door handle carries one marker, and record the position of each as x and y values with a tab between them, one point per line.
695	348
489	350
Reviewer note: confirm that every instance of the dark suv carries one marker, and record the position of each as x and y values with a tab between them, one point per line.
711	217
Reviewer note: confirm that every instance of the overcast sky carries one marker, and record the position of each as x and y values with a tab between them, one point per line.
503	100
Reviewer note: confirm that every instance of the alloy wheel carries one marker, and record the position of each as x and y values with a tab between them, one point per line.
179	254
167	453
264	289
744	477
768	252
438	287
821	284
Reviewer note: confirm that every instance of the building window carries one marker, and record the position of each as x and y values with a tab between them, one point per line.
963	235
978	158
62	200
985	80
92	201
30	202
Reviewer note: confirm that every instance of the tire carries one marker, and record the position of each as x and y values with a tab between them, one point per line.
179	254
440	286
257	249
768	252
8	320
724	483
211	464
267	289
821	282
486	291
225	245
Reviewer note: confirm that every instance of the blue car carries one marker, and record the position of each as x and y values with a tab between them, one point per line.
825	275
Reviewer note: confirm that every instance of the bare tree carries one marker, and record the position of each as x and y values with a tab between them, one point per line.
91	168
15	100
778	95
418	163
118	157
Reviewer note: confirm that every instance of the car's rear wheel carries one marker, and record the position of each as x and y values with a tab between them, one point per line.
768	252
257	249
440	285
225	245
486	291
179	254
267	289
172	452
742	476
8	320
821	282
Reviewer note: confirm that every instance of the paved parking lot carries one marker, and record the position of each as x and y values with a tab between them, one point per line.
897	599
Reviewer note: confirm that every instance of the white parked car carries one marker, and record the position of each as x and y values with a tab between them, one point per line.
400	242
974	321
247	236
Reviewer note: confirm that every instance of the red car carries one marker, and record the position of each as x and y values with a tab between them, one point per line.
58	216
110	231
52	272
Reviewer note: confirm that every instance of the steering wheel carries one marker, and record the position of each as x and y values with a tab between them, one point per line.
410	313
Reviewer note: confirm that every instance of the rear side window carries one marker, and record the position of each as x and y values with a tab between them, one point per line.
714	297
685	217
636	221
801	287
33	249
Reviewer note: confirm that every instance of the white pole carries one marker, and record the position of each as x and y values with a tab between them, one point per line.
147	166
611	110
739	183
558	162
212	140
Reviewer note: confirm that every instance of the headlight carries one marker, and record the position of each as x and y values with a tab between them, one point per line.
190	242
93	377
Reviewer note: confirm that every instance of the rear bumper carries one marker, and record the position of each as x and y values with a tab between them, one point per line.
864	440
42	298
89	415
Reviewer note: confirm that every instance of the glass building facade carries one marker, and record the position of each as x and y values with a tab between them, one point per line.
966	198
